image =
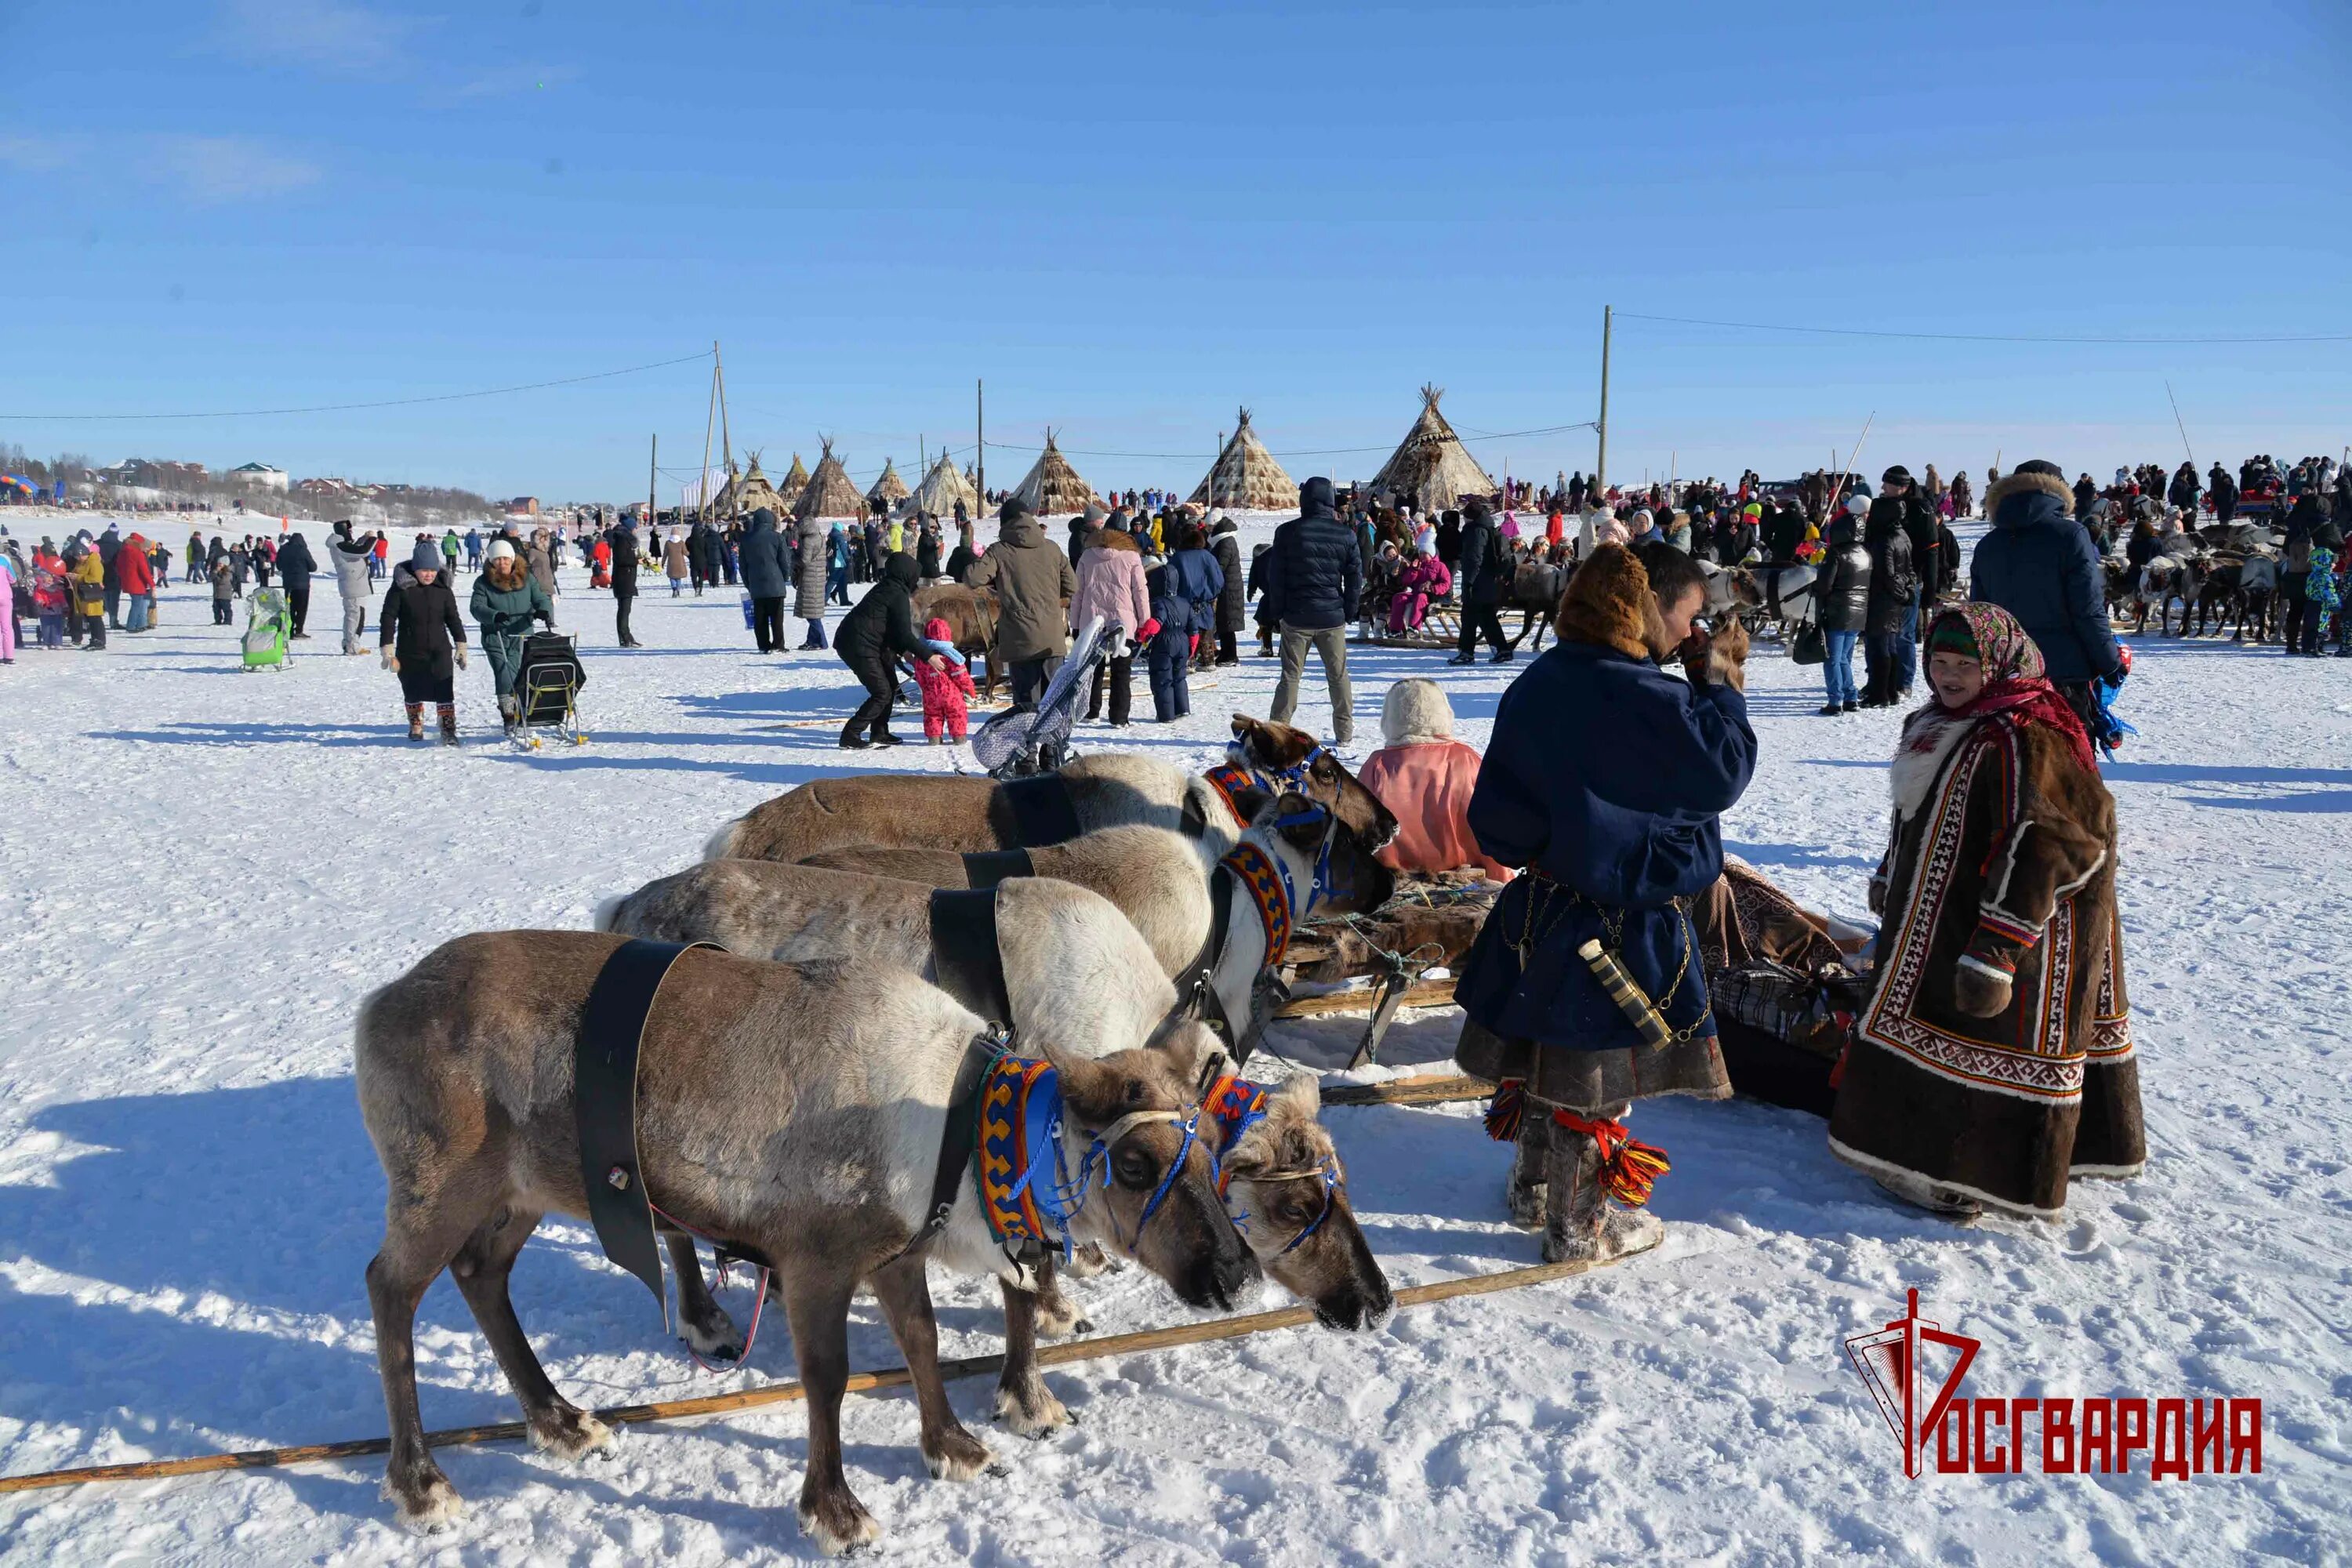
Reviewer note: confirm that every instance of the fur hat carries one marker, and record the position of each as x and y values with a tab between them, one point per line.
499	550
1608	603
1416	709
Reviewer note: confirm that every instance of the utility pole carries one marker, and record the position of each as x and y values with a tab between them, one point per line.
709	424
1600	464
979	404
653	467
726	442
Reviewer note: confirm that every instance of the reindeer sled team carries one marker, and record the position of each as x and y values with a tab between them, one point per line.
1001	1027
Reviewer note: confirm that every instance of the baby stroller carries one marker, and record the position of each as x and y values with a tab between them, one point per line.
269	623
547	690
1036	740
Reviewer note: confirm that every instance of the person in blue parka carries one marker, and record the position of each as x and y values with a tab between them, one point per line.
1604	778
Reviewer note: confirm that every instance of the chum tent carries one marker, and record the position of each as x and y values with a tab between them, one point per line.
942	488
792	485
829	492
1245	477
889	490
1430	467
747	492
1052	487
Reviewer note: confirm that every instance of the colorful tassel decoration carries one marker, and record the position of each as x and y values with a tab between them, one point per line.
1506	1110
1629	1167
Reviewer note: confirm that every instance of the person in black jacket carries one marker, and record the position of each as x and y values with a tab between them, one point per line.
1313	582
878	630
1893	599
1841	608
2225	493
421	634
294	560
767	577
702	554
1483	573
1233	603
623	541
1917	520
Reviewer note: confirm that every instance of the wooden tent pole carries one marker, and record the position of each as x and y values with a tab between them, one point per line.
1600	464
792	1392
653	469
726	440
980	416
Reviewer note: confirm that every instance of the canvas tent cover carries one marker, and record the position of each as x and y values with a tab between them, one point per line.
1246	476
1430	467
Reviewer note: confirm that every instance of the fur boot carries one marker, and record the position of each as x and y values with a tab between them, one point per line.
1920	1192
416	720
508	711
1581	1224
449	713
1524	1188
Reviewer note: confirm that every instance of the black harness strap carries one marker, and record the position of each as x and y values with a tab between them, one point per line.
986	868
1041	812
964	952
1201	999
604	1104
958	1139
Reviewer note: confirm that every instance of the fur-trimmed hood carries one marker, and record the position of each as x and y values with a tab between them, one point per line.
1608	603
1415	710
1113	539
2028	484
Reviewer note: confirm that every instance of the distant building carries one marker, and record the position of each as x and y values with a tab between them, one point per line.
524	506
260	475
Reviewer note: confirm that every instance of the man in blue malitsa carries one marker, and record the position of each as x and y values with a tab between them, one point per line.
1585	991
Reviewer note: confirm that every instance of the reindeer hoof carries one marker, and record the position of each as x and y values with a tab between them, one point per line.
429	1507
570	1434
1038	1416
839	1526
714	1338
960	1457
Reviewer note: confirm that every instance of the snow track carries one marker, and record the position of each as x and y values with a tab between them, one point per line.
204	871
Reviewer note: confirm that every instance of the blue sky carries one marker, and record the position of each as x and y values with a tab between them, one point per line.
1130	220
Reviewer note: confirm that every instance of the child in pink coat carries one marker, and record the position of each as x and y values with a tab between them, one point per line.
944	689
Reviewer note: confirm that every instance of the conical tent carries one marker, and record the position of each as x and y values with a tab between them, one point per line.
1245	476
889	490
1430	467
747	492
795	483
829	492
1052	487
942	488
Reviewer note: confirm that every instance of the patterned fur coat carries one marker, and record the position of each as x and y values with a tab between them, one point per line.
1995	1057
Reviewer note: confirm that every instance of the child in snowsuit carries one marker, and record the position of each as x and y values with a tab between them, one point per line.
49	605
224	592
945	686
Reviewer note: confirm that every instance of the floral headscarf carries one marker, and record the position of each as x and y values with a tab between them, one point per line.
2016	683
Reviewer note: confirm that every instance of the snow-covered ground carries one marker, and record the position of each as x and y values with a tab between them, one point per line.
202	871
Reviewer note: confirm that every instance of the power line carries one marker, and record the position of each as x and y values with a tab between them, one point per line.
1984	337
388	403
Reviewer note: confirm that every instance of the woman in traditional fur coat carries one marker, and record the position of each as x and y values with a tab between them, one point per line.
1994	1061
1604	777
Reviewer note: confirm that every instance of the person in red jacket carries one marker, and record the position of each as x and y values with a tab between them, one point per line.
947	687
136	572
1426	777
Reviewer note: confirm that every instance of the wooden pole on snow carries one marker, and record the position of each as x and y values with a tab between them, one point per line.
792	1392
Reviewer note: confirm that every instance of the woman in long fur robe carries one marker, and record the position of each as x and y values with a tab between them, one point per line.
1994	1060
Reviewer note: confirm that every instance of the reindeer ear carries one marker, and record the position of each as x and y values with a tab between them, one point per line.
1298	1095
1195	1053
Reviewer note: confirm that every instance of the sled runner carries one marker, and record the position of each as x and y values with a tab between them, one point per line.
269	623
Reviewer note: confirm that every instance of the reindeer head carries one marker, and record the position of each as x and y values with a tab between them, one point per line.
1331	870
1154	1189
1277	751
1282	1173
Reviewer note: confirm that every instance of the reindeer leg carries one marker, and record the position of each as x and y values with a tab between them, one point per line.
952	1453
482	1269
816	1304
416	1247
1058	1316
1026	1407
702	1322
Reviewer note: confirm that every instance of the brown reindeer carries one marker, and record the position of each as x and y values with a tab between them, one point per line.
794	1111
933	811
971	615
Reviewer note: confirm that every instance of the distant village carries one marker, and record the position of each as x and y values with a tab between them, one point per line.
162	484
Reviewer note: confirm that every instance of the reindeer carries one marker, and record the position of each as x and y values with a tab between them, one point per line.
1535	590
971	615
2162	580
796	1111
1075	970
1106	790
2258	585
